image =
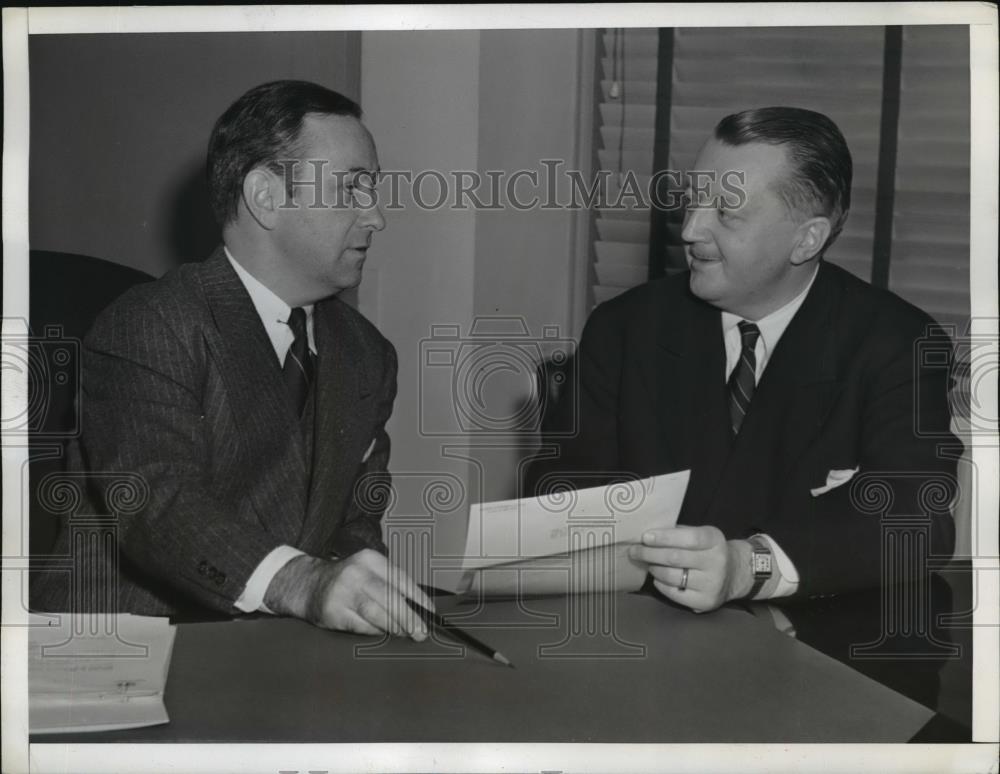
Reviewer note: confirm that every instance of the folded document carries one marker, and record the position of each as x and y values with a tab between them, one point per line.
568	542
97	672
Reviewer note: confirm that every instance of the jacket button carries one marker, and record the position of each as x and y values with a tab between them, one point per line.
203	568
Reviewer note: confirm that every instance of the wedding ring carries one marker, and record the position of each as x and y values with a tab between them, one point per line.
684	580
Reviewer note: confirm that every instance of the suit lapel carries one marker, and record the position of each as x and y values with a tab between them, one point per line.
344	420
796	393
690	397
258	397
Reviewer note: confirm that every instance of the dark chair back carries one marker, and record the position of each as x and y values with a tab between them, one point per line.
67	292
557	386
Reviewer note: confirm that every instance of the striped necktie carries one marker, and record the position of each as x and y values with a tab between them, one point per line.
743	379
299	368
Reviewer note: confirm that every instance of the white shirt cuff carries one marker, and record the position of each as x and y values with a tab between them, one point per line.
788	576
252	598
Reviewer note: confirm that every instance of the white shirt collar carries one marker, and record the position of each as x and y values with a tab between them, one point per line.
272	310
773	326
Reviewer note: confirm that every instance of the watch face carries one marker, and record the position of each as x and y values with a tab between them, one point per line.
761	564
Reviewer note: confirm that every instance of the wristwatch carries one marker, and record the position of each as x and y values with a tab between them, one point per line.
760	563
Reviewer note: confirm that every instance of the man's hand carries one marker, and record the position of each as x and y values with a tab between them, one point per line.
717	570
362	593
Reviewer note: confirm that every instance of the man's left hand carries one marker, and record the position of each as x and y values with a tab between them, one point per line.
717	570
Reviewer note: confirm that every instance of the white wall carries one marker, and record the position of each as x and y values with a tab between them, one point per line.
524	259
527	113
420	96
465	100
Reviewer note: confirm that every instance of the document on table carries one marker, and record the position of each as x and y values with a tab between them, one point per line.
565	543
97	672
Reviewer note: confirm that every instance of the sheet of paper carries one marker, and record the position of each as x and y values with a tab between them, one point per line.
94	673
571	542
56	717
588	571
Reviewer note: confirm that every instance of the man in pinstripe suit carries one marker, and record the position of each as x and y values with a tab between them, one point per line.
251	400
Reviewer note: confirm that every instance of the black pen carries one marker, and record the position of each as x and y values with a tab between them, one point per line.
459	634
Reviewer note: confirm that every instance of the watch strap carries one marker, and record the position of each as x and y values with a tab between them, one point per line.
759	545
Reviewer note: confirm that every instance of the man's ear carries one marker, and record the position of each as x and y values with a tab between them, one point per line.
260	197
810	238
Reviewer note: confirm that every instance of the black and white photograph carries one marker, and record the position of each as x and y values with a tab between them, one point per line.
569	387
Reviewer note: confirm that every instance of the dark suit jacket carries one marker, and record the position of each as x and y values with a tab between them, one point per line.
182	387
840	391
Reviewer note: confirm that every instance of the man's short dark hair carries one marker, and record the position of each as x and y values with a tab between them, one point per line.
820	183
260	128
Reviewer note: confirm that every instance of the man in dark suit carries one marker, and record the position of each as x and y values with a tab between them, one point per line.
774	376
251	401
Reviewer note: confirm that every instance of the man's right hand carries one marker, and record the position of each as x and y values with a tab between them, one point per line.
363	593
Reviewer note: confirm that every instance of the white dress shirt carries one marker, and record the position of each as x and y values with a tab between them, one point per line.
772	327
274	314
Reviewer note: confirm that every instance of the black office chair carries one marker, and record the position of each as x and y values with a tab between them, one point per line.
556	382
67	293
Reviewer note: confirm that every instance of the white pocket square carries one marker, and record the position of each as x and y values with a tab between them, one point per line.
369	452
834	479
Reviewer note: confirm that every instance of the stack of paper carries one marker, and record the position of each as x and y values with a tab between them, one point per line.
97	672
568	543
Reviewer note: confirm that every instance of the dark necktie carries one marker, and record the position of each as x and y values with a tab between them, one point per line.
298	369
743	379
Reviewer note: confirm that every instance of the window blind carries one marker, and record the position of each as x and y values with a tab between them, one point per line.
930	248
626	120
833	70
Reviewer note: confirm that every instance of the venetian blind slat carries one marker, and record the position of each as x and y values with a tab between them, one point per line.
622	232
834	70
930	246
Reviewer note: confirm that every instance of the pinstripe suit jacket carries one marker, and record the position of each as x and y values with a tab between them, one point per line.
181	386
